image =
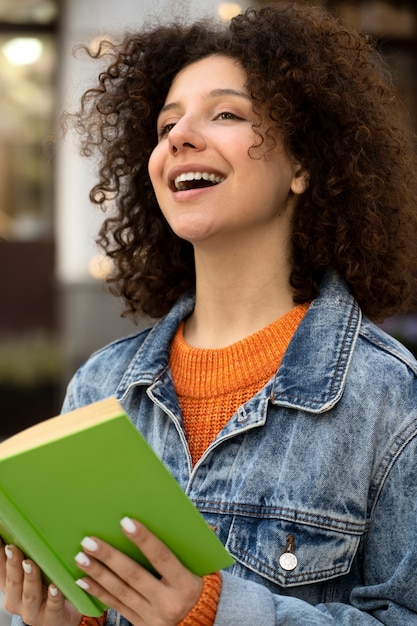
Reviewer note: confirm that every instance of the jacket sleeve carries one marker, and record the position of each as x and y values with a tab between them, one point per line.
388	594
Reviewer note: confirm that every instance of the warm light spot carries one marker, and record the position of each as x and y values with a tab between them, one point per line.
102	44
23	50
100	267
227	10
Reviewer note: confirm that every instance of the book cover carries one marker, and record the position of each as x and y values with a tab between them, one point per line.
79	474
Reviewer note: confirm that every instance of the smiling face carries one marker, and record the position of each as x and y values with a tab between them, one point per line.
206	183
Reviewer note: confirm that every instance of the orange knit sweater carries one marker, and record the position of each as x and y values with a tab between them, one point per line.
212	384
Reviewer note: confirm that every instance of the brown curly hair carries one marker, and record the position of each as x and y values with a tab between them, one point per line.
328	92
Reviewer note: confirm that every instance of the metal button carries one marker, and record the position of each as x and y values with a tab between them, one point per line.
288	561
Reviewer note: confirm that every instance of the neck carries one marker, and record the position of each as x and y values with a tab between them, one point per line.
237	294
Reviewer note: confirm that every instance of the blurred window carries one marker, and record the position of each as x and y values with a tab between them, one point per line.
28	58
394	26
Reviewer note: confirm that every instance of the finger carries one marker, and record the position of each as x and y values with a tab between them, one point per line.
162	559
43	604
127	604
33	592
2	565
110	588
178	589
57	610
13	587
54	606
114	561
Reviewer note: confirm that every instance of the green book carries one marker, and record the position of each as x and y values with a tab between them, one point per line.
79	474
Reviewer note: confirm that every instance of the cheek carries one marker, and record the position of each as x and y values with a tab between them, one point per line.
155	166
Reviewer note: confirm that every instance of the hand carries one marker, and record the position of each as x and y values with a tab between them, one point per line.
121	583
27	596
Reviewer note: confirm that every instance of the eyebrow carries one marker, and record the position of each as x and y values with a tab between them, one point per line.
215	93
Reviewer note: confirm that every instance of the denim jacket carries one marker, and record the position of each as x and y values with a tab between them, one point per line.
325	453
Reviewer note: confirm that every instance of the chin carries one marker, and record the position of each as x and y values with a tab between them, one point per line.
194	233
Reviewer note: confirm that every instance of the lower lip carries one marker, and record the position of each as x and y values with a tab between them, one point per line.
191	194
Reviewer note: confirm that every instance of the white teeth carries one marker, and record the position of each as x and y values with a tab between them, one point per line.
188	176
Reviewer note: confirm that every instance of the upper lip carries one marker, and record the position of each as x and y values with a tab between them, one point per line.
192	168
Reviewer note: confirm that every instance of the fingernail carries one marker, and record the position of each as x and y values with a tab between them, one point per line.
89	544
53	590
82	583
27	567
8	551
128	525
82	559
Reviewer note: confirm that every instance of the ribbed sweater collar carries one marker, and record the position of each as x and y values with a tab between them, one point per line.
199	372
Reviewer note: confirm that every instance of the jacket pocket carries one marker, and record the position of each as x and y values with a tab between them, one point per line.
319	552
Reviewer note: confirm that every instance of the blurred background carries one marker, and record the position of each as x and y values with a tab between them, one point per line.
54	309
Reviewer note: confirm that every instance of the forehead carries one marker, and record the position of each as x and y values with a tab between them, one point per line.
205	75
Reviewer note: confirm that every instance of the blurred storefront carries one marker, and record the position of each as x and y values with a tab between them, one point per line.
54	310
30	356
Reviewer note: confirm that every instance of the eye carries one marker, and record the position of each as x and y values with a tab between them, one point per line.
164	130
227	115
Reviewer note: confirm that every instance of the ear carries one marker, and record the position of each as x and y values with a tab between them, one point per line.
300	179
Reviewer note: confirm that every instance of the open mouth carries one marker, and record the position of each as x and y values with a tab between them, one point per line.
196	180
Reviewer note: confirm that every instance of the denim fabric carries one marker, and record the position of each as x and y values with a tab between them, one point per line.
325	452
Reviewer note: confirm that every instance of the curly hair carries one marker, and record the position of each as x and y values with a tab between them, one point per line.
328	92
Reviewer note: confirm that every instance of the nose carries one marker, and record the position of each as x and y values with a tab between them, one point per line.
186	135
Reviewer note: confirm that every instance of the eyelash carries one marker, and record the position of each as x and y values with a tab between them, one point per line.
227	115
164	130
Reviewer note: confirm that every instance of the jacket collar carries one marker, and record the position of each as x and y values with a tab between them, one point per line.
313	371
152	358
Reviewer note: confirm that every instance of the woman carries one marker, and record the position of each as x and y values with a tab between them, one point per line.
264	184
